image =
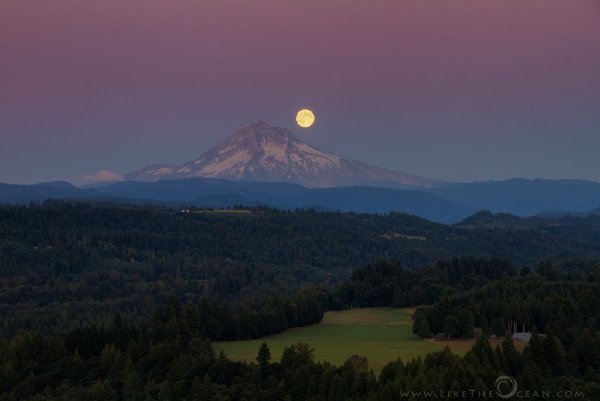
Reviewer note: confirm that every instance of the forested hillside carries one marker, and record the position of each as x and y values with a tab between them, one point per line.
554	303
111	302
168	359
64	262
168	356
466	293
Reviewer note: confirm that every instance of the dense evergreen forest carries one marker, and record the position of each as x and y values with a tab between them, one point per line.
112	302
63	262
488	294
169	360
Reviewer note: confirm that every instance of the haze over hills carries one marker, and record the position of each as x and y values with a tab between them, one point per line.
265	165
218	193
215	193
261	152
519	199
13	193
524	197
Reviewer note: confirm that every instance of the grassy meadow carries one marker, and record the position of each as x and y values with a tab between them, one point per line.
380	334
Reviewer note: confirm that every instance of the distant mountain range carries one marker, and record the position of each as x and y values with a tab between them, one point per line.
448	204
261	152
524	197
212	193
265	165
13	194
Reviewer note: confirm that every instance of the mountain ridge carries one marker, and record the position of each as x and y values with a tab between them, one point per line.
524	197
440	205
261	152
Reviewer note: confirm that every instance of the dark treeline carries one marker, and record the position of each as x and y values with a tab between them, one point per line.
101	302
219	322
389	284
213	321
471	296
163	361
488	294
63	262
556	307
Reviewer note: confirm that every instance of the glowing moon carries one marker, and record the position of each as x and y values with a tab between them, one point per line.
305	118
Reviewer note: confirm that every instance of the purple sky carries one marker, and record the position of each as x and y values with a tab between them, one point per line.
456	90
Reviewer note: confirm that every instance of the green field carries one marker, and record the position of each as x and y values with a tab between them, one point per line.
380	334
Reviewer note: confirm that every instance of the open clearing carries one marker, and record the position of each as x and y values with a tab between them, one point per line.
380	334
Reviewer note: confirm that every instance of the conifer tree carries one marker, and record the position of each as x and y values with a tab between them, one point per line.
421	324
264	356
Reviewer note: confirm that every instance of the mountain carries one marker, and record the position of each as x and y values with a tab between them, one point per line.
261	152
13	193
487	219
447	204
214	193
204	192
523	197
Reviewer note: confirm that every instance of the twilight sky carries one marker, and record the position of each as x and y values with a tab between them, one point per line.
457	90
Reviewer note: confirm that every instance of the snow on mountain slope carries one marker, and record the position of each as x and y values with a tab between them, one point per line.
260	152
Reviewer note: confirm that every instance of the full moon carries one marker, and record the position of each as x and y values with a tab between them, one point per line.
305	118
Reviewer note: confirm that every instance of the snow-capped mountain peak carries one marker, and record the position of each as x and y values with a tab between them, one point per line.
261	152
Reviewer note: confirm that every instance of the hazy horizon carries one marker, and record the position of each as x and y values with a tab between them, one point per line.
457	91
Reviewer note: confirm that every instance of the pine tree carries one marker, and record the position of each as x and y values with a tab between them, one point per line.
498	327
451	326
264	356
555	355
295	355
535	352
101	390
468	325
587	351
421	324
132	387
202	390
512	357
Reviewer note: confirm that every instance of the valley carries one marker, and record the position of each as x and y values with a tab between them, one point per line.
379	334
125	299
